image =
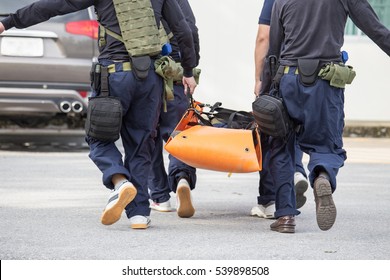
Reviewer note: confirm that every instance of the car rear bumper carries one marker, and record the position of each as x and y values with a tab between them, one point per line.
39	102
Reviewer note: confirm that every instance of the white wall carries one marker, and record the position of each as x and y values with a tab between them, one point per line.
227	30
368	97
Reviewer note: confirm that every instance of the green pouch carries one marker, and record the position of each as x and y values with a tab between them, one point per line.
167	68
338	75
171	71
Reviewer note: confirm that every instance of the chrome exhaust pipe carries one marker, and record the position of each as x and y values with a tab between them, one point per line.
77	107
65	106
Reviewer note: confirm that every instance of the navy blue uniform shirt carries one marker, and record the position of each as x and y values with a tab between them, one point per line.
266	11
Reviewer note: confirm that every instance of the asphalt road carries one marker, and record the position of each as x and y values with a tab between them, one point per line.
51	201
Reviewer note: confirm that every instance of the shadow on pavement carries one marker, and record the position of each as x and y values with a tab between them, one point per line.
43	140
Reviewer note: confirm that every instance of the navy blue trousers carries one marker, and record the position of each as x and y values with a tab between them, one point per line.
141	102
266	184
159	183
319	109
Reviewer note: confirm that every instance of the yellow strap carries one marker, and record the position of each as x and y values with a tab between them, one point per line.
126	66
287	69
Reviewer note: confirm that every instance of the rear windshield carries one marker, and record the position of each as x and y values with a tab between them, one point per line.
10	6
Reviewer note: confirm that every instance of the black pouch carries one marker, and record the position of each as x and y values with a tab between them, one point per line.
271	115
308	71
104	118
268	73
104	114
140	66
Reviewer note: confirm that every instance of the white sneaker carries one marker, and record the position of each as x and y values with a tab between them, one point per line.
140	222
300	184
117	201
264	211
162	206
184	201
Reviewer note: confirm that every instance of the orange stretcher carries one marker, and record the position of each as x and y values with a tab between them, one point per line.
199	144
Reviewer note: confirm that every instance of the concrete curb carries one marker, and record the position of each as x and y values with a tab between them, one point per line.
378	129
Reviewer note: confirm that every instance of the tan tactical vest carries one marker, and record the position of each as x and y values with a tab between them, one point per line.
139	30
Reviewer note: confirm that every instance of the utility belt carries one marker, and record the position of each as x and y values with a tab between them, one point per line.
309	70
170	70
96	70
119	67
269	109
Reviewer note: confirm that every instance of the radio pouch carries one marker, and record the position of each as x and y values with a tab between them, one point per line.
104	113
140	66
308	71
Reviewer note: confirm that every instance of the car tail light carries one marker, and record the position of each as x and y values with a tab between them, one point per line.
88	28
84	94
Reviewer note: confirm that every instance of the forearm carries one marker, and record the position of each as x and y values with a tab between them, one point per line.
43	10
261	49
